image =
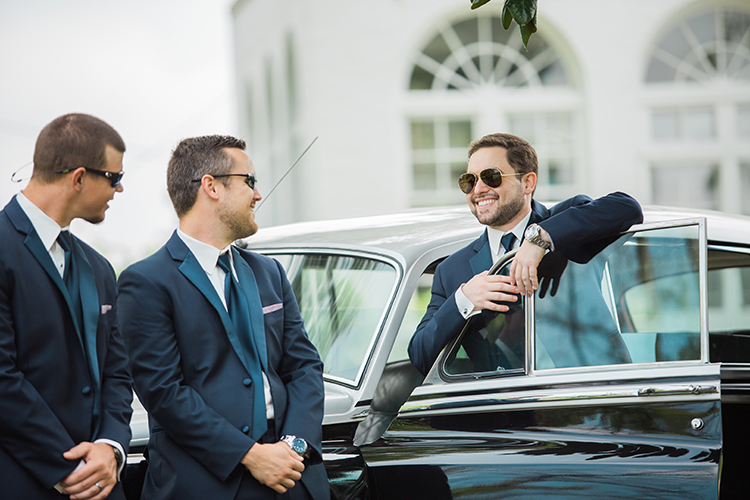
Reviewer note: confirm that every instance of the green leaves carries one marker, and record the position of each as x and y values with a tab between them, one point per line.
523	11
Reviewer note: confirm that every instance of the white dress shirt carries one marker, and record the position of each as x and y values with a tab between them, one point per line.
208	258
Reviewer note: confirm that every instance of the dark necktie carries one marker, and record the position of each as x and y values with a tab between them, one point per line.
240	314
70	276
507	241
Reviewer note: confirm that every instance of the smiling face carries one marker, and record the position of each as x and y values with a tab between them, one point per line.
505	206
98	190
237	210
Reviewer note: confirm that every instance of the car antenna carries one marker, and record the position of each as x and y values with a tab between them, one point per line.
285	174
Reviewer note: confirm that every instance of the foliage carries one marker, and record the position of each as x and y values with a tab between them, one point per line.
523	11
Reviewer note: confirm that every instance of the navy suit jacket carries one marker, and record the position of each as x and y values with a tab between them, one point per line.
580	228
192	382
47	392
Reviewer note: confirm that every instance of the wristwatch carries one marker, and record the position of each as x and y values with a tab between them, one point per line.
533	235
299	445
118	457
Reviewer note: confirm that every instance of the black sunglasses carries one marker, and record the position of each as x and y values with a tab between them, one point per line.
250	179
113	177
491	176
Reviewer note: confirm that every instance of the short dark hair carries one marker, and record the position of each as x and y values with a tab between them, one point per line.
71	141
519	152
192	159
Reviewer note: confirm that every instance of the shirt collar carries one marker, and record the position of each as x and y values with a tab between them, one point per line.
494	235
207	255
45	226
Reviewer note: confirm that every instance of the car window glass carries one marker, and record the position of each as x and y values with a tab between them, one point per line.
490	343
729	305
418	303
343	300
637	301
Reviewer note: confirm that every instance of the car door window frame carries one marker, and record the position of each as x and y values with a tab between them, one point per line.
531	369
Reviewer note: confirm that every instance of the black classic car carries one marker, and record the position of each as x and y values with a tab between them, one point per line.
624	377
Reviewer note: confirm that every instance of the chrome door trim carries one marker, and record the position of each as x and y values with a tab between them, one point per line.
566	397
609	386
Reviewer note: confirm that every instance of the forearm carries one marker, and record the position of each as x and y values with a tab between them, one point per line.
435	331
581	220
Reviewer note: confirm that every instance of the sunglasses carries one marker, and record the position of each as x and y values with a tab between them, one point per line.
113	177
492	177
250	179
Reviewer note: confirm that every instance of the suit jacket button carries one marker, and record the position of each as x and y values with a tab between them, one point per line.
245	429
247	382
86	391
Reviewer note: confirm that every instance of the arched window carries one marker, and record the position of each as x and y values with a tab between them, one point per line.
698	93
472	77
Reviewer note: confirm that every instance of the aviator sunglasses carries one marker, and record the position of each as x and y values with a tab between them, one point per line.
113	177
250	179
492	177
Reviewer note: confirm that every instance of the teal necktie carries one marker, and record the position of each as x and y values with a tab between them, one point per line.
507	241
71	278
240	314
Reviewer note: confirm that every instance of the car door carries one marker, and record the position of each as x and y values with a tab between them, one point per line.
598	386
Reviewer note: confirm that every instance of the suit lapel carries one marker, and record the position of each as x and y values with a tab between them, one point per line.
247	281
22	224
482	261
192	270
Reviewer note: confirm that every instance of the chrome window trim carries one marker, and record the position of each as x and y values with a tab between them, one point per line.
386	258
530	361
703	290
729	248
697	382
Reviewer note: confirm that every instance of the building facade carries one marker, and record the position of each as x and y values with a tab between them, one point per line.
652	98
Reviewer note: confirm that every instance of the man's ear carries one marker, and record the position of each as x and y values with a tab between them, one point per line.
209	186
529	182
76	179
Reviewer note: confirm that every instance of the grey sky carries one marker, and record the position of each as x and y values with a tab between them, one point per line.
156	70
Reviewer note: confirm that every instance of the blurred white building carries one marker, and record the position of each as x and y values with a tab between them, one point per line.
652	98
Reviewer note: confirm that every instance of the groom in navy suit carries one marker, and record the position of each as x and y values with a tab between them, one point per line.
219	354
65	391
499	186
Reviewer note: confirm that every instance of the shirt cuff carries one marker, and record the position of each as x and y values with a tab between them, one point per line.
115	444
465	306
58	486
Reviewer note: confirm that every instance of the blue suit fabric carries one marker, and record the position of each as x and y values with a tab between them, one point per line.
189	369
580	228
63	380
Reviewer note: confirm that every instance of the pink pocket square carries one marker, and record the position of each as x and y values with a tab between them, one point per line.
105	308
272	308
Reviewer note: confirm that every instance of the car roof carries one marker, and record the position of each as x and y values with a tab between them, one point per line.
418	230
408	232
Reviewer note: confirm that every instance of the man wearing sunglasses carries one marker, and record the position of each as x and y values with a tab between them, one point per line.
218	350
499	186
65	391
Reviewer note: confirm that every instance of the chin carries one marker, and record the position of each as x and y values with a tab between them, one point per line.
94	220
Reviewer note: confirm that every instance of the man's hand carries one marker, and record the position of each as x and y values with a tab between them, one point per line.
484	291
550	271
274	465
100	468
523	270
